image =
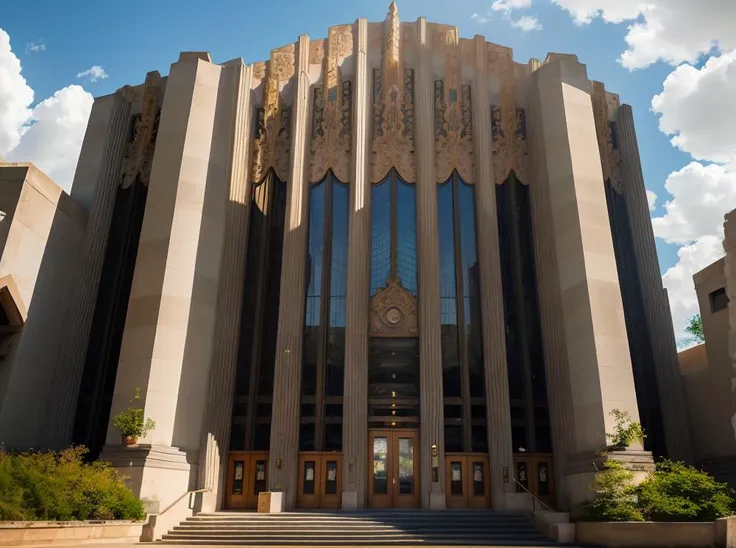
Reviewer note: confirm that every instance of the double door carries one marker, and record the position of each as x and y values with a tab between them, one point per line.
320	480
393	469
534	473
247	476
467	482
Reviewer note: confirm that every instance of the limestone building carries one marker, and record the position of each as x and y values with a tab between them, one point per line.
393	267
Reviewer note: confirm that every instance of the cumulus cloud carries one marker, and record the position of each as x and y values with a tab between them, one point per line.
652	200
509	5
481	18
93	74
35	47
49	134
527	23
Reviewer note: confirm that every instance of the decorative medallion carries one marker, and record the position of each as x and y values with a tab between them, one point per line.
394	311
273	139
138	158
393	109
331	129
610	156
453	118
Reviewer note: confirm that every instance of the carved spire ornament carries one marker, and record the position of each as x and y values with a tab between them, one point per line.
139	152
453	116
273	133
331	128
393	108
610	156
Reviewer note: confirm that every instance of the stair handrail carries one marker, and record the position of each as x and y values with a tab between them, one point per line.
534	497
193	492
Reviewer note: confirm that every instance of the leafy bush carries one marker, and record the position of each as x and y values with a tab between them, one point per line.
62	487
677	492
131	421
616	497
626	431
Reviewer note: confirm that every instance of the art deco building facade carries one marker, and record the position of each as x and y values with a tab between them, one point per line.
393	267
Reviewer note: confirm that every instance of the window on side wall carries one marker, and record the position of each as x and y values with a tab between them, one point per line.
718	300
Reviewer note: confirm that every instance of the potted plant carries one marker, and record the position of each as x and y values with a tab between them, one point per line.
131	423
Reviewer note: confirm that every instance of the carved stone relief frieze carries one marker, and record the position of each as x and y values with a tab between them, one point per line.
504	115
138	158
331	128
610	156
393	311
273	129
393	109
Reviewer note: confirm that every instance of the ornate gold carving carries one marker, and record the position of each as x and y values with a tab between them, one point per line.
139	152
453	116
394	311
331	133
393	109
259	70
273	135
504	118
610	156
316	52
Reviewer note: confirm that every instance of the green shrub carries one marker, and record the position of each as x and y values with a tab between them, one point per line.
677	492
626	431
62	487
616	497
131	421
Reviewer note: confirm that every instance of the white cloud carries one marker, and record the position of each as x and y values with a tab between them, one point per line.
93	74
49	135
652	200
509	5
481	18
35	47
527	23
698	108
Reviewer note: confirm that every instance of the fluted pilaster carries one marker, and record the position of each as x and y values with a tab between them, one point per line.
656	305
218	405
288	368
431	409
561	413
498	413
355	401
70	367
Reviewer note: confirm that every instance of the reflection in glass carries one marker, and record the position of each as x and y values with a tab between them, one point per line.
456	478
380	235
238	477
452	375
543	477
406	236
259	485
521	475
406	466
380	466
479	485
309	469
331	480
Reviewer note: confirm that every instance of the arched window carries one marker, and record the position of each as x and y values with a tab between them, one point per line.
323	367
461	332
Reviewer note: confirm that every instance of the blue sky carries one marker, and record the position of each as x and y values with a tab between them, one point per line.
129	39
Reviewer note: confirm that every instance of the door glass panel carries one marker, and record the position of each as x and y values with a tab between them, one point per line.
238	475
259	485
479	484
406	466
380	465
331	481
456	478
543	476
309	468
521	475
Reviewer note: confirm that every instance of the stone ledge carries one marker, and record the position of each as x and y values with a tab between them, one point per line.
73	533
636	461
648	534
149	456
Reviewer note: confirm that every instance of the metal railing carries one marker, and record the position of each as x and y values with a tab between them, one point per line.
535	499
170	506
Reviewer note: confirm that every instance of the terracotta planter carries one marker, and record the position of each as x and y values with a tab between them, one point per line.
130	440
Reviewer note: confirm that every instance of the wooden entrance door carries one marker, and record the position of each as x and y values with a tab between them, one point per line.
320	480
247	476
467	482
534	472
393	469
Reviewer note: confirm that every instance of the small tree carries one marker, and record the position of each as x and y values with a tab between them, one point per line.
615	495
626	431
695	328
131	422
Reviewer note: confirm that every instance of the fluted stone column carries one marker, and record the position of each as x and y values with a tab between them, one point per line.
355	400
498	410
656	304
559	397
169	331
431	409
219	402
600	372
283	457
105	140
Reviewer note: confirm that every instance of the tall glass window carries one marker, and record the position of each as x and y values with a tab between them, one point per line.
253	399
461	333
324	323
